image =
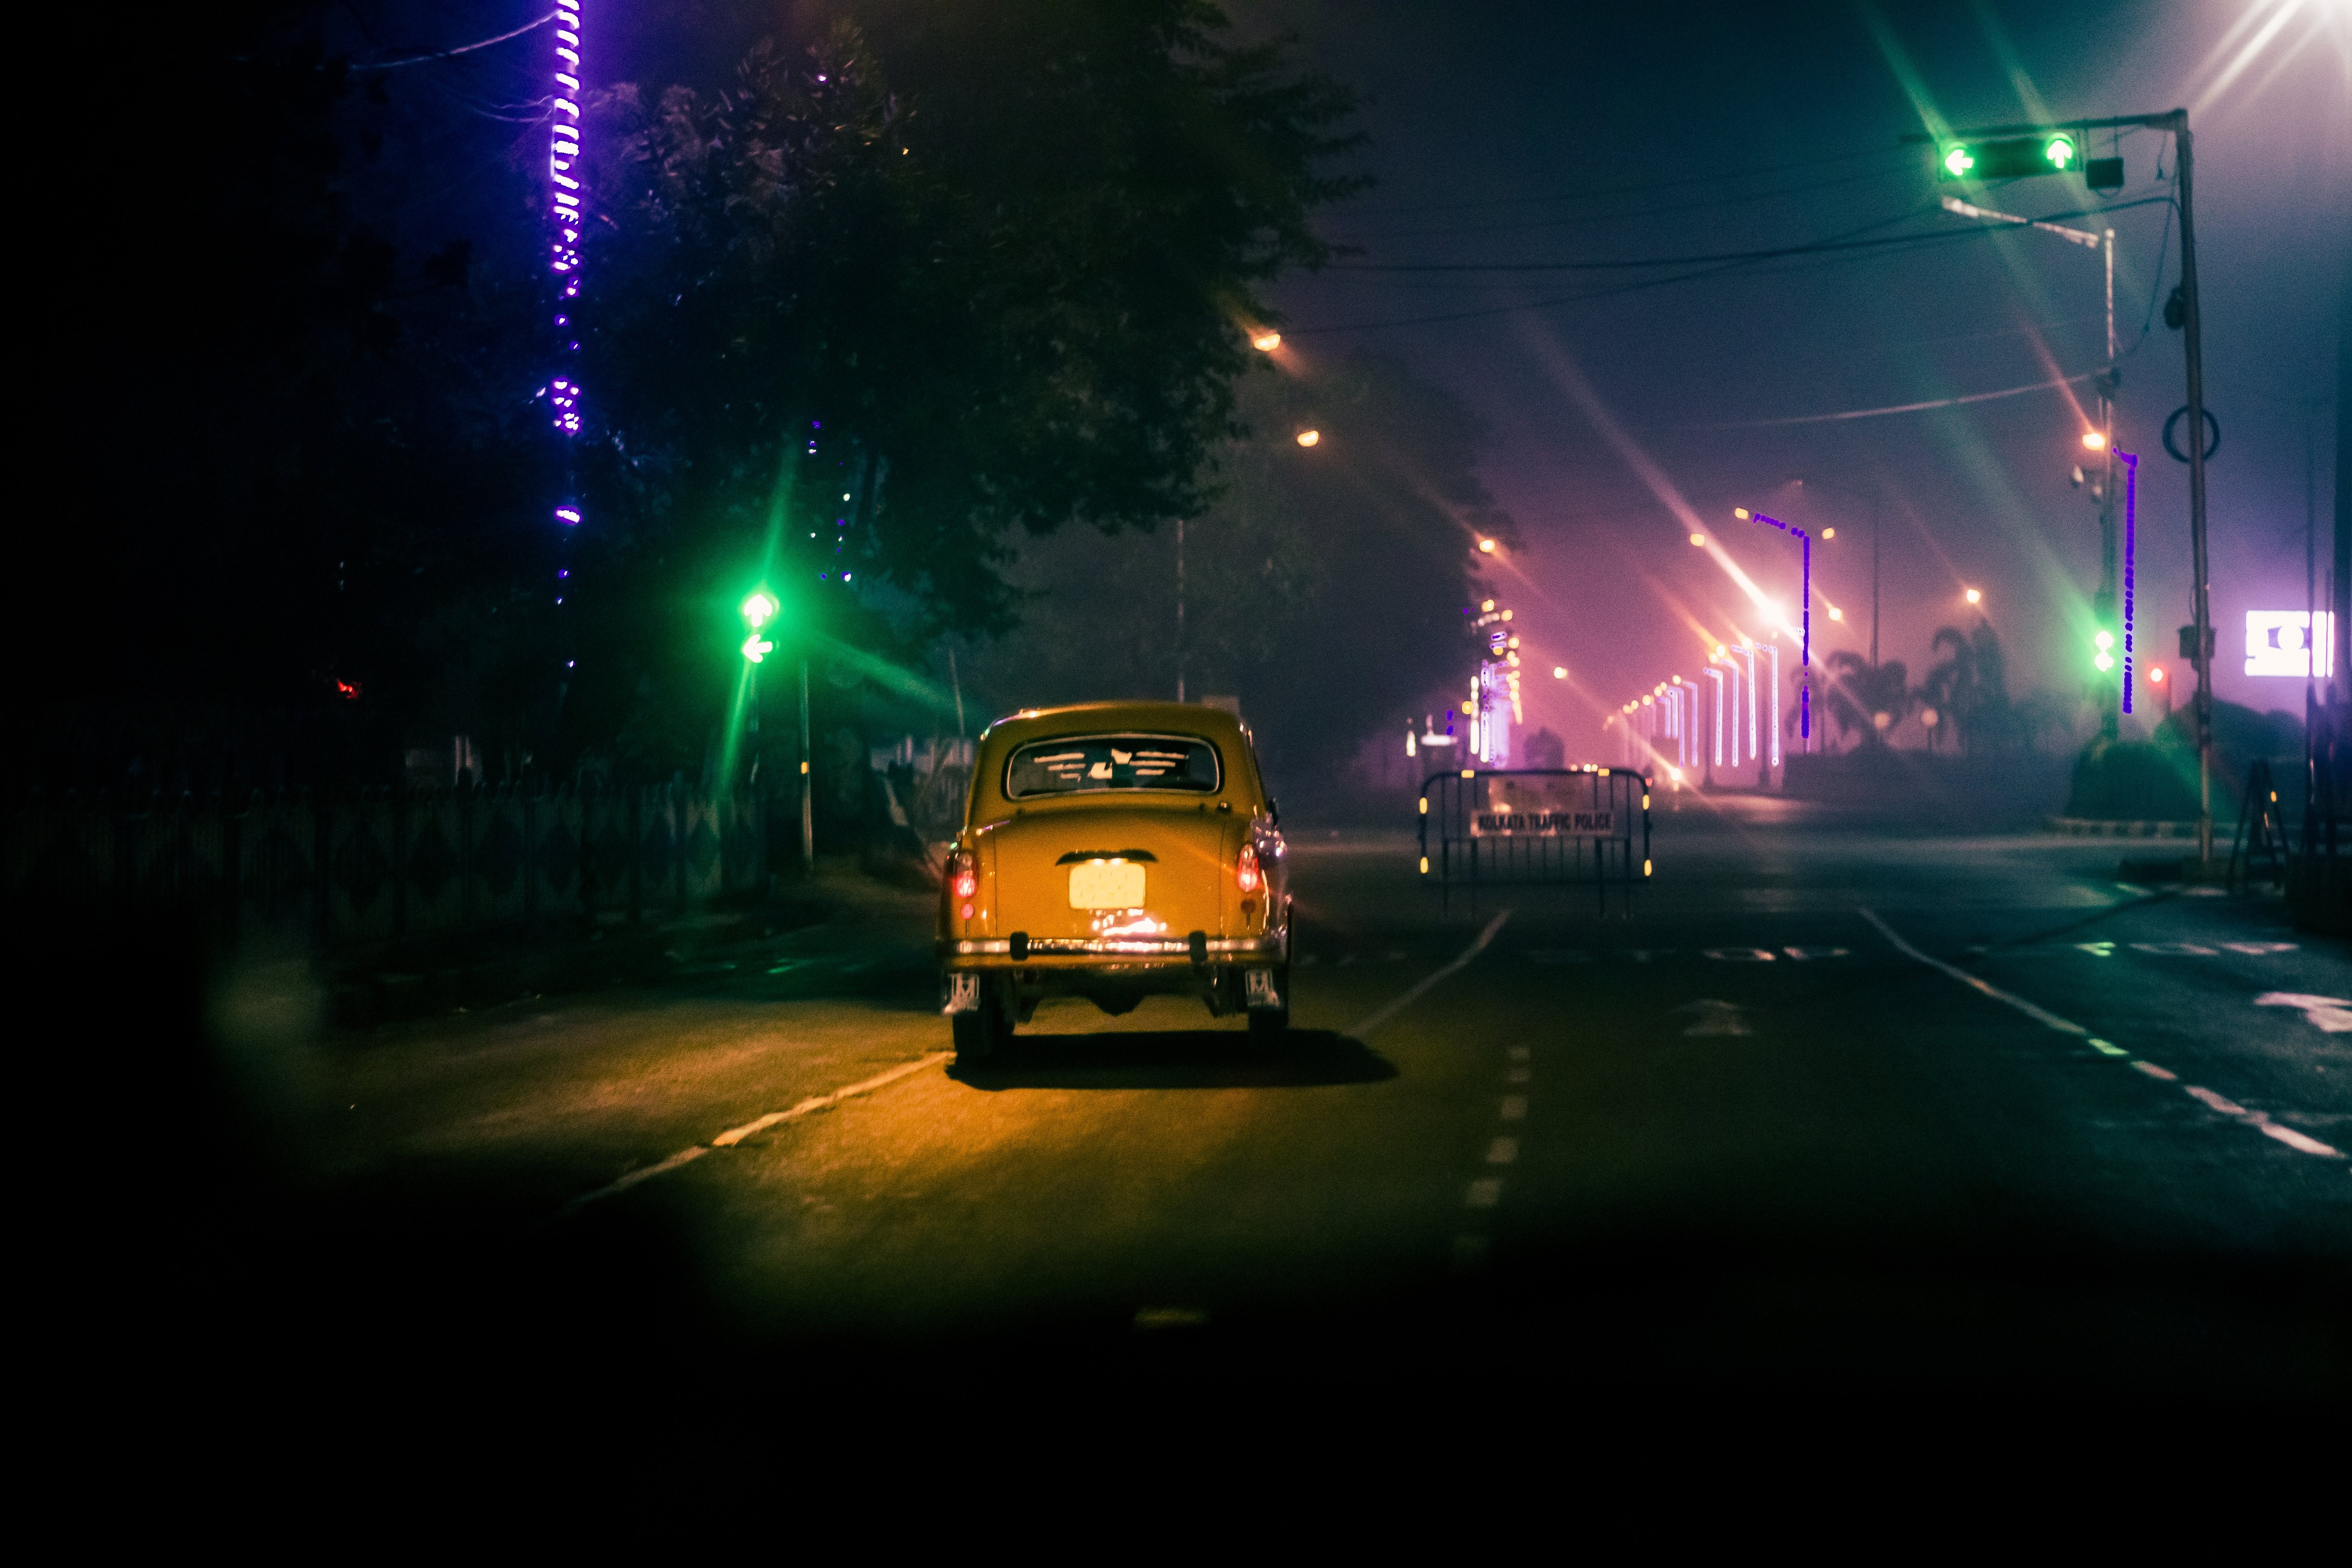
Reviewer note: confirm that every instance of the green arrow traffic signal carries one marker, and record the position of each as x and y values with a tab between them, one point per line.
2010	158
759	609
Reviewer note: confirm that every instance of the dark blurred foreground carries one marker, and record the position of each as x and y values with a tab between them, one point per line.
216	1268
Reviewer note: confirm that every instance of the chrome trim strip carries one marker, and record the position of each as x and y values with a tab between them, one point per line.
1145	946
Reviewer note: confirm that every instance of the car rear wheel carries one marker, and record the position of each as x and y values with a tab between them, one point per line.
984	1033
1268	1025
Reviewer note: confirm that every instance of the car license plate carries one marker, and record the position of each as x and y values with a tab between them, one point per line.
1107	885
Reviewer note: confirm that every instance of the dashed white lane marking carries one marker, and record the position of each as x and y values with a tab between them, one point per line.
735	1135
2046	1019
2257	1120
1503	1151
1149	1318
1514	1053
1515	1107
1363	1028
1485	1194
2291	1139
1515	1075
2329	1015
816	1102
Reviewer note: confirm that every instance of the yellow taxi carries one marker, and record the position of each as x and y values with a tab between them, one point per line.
1114	851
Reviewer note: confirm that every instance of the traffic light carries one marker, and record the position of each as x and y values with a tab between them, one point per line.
759	609
2011	158
2103	659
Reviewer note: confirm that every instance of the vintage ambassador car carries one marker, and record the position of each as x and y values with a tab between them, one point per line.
1114	851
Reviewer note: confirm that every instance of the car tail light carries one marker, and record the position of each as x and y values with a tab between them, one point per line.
963	878
1246	872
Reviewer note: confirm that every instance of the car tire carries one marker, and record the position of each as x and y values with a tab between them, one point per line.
985	1033
1269	1024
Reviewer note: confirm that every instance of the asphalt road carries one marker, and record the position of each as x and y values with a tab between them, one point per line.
1836	1107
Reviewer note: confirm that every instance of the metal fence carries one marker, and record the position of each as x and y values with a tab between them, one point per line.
1534	828
386	866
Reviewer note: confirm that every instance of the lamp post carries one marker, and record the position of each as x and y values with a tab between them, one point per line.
1805	618
1714	752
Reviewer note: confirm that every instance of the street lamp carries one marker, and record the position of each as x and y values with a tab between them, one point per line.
1266	342
1805	634
1309	437
1973	596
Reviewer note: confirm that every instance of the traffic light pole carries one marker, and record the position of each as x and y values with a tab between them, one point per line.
2193	347
2176	122
808	801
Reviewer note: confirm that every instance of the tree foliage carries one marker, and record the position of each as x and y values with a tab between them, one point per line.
921	282
1324	586
999	260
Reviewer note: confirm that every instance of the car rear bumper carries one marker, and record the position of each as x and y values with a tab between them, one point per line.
985	952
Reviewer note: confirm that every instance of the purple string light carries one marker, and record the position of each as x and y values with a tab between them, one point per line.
2131	501
567	216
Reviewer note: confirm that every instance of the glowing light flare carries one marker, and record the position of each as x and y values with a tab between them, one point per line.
1973	596
1309	437
1829	534
1246	875
2094	441
1266	342
1559	672
2156	675
1700	540
1485	547
759	609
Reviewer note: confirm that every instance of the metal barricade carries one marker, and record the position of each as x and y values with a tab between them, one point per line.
1534	828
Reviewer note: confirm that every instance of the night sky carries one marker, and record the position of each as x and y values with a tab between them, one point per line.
1517	133
1536	133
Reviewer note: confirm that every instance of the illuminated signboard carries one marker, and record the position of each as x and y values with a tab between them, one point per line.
2278	642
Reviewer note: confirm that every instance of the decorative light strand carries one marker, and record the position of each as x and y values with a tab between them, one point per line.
567	216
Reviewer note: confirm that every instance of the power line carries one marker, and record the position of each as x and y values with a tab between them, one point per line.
460	49
1639	212
1625	190
1813	248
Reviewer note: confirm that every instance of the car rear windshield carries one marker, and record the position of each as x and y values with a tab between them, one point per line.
1080	764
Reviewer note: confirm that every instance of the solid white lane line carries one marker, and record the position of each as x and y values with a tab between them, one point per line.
613	1189
2048	1020
1363	1029
735	1135
2255	1119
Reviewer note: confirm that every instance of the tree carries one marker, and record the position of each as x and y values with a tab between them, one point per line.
1969	687
924	281
1324	586
1856	692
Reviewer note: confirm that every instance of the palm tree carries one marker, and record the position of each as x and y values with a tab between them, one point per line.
1855	693
1969	687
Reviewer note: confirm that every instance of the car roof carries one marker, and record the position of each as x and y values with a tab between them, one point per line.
1177	718
1216	724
